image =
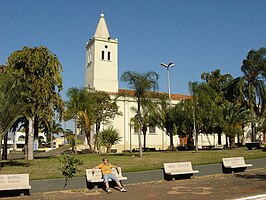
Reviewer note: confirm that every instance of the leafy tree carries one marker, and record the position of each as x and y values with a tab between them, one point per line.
141	83
89	108
108	137
74	105
40	69
12	105
252	83
166	118
104	109
219	84
206	113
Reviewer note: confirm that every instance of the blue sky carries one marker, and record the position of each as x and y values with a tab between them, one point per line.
197	35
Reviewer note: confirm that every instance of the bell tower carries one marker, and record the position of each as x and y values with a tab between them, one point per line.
102	60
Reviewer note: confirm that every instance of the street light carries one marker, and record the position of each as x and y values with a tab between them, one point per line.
167	66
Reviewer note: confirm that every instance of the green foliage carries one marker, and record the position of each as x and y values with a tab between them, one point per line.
69	166
141	83
41	71
71	141
12	101
108	137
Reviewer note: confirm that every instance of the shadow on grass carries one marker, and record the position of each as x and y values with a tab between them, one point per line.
251	176
14	163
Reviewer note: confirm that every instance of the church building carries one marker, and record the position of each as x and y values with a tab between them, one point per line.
101	74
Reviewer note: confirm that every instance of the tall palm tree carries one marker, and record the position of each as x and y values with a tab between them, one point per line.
75	104
141	83
253	83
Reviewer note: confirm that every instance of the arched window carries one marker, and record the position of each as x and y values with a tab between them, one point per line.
102	55
109	55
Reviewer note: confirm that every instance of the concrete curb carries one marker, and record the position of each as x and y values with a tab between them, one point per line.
133	177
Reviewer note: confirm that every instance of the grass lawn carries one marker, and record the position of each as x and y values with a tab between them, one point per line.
44	168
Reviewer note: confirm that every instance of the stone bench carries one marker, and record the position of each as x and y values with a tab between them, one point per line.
181	169
235	164
94	176
15	182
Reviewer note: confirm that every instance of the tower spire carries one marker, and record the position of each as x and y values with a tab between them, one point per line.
102	30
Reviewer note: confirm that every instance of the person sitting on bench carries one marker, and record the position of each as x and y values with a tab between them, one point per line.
106	167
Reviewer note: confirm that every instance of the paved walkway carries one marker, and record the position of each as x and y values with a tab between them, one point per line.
219	186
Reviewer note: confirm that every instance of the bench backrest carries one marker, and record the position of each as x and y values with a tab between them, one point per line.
93	174
14	181
235	161
177	167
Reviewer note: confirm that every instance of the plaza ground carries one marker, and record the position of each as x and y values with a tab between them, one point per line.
218	186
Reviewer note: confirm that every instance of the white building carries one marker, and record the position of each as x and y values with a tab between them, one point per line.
101	73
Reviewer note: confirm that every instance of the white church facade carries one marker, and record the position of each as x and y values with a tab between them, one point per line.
101	73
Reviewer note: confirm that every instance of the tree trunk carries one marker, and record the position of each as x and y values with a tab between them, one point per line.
26	139
171	142
219	137
76	136
144	130
226	141
4	154
232	142
1	137
88	137
253	132
139	134
96	143
30	139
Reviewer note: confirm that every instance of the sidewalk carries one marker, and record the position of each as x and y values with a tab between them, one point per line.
219	186
50	185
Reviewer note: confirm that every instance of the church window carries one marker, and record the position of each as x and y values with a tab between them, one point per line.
152	129
102	55
109	55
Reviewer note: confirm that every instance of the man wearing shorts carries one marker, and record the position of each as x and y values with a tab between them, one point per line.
106	169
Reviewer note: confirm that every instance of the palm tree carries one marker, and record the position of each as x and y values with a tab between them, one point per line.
253	83
235	116
77	98
108	137
141	83
56	128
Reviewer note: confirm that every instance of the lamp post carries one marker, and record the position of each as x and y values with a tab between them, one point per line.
167	66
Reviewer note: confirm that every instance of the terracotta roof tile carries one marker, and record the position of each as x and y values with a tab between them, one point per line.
173	96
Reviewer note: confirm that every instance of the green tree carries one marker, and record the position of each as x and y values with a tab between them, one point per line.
75	104
12	104
141	83
219	84
166	118
105	109
41	70
235	116
108	137
252	83
55	129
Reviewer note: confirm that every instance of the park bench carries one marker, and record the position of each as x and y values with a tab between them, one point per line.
94	177
235	164
16	183
179	169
